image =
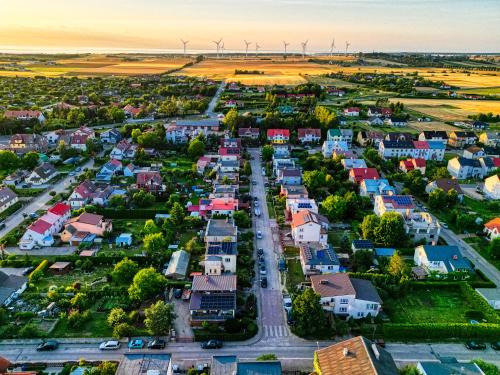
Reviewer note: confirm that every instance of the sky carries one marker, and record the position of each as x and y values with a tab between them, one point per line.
369	25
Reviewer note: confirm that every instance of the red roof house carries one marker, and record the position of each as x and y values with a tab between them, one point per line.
357	175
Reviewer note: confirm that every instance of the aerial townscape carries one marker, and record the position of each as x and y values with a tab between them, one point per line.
249	206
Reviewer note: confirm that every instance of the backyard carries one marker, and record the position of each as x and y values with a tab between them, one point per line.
294	274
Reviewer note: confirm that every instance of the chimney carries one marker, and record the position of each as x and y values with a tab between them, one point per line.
346	352
375	351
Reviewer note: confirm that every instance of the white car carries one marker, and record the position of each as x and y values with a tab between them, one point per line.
110	345
259	234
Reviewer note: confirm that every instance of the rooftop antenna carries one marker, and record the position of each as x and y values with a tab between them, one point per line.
256	48
246	47
285	44
332	47
184	43
217	43
304	47
347	44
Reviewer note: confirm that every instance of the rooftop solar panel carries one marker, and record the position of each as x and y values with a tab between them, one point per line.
215	301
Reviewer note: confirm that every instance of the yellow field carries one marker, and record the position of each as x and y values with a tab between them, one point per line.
101	65
450	110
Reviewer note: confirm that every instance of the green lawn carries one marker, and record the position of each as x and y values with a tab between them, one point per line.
487	210
291	251
294	274
423	306
480	244
96	327
185	237
71	277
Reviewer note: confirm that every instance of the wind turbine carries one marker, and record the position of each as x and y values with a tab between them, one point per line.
217	43
285	44
222	50
347	44
246	47
332	47
184	43
304	47
256	48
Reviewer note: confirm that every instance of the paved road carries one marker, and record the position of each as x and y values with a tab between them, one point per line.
213	103
273	323
40	201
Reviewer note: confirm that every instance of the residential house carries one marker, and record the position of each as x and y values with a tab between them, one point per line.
177	265
229	153
396	121
252	133
123	150
442	260
294	191
350	163
228	166
357	175
7	198
491	139
131	111
229	364
281	151
474	152
82	194
491	188
308	226
109	170
227	177
402	204
492	228
24	143
395	149
462	168
80	137
345	296
11	287
289	176
460	139
279	164
375	121
421	226
399	137
192	128
340	135
366	138
221	230
477	125
111	136
355	356
489	164
278	135
446	184
25	115
151	181
352	112
318	259
448	366
220	258
213	299
413	164
176	135
223	206
309	135
347	135
428	150
224	191
329	147
84	228
15	178
371	188
228	142
295	205
206	162
434	135
57	136
361	244
42	174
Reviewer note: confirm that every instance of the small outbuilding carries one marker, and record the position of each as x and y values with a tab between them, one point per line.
60	268
178	265
124	240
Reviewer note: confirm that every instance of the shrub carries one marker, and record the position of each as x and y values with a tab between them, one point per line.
38	272
123	330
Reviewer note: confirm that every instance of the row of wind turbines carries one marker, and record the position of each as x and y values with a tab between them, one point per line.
220	47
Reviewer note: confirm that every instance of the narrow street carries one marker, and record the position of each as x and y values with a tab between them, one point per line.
213	103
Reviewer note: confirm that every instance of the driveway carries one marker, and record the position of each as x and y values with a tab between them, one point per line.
470	191
182	322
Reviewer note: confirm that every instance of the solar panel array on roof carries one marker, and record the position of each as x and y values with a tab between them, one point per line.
214	301
304	205
221	248
402	199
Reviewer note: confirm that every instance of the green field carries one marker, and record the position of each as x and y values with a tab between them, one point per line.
294	274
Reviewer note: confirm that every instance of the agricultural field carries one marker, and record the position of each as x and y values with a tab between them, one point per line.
432	125
99	65
450	109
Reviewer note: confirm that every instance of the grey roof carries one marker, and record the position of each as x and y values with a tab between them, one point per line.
319	256
223	364
45	170
6	195
437	368
9	284
397	144
219	188
362	244
365	290
295	189
291	172
230	163
221	228
178	264
137	363
429	134
214	283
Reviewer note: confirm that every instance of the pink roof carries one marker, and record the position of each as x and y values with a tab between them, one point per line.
351	109
60	209
419	162
40	226
85	189
408	164
146	177
496	162
423	145
118	163
275	132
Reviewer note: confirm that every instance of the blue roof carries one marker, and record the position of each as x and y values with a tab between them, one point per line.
384	251
449	255
436	368
373	186
325	256
259	368
125	236
436	145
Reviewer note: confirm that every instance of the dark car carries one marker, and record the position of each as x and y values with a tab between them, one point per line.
157	344
474	345
178	293
289	318
260	251
495	345
47	346
263	282
212	344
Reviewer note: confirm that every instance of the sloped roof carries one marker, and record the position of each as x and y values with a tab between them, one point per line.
214	283
331	285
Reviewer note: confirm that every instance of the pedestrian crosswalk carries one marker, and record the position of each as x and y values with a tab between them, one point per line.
276	331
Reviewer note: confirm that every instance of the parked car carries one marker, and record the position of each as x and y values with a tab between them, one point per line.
136	344
495	345
47	346
263	282
282	264
177	293
256	198
2	224
157	344
259	234
257	212
260	251
211	344
110	345
254	182
262	270
289	318
475	345
380	342
287	303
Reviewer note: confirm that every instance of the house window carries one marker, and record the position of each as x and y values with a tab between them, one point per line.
360	314
301	236
343	309
344	301
227	260
332	299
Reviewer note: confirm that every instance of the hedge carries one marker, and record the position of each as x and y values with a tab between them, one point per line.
136	213
479	303
240	336
439	331
40	269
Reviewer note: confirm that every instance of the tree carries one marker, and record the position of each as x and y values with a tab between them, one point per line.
116	316
159	318
241	219
136	133
150	227
146	284
409	370
397	265
117	201
390	231
494	248
8	160
369	226
30	160
231	120
124	271
487	368
143	199
335	207
362	260
451	198
177	215
267	152
437	199
196	149
308	314
267	357
123	330
247	169
154	245
79	301
104	368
